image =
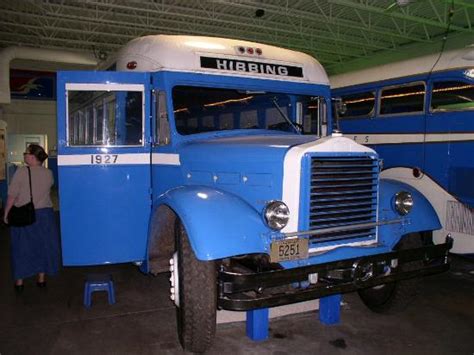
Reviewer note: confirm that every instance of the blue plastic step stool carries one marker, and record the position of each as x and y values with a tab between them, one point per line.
98	282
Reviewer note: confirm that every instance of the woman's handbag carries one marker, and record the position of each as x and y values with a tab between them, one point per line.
23	215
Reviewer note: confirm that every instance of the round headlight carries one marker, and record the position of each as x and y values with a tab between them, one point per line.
276	215
403	202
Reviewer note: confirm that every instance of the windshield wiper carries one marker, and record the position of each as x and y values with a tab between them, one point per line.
274	100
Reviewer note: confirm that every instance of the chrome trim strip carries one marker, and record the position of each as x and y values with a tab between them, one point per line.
342	228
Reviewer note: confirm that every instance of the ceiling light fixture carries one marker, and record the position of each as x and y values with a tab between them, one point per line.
259	13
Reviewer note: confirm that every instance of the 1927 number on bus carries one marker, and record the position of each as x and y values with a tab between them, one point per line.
104	158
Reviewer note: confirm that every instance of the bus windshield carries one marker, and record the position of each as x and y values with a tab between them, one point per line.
199	109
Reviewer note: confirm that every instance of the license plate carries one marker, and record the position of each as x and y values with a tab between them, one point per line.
288	249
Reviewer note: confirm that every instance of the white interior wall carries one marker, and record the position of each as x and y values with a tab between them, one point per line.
32	117
35	116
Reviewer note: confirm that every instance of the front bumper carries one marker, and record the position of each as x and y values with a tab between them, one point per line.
244	290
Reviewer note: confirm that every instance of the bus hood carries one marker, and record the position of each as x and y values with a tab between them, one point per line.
263	149
240	150
258	168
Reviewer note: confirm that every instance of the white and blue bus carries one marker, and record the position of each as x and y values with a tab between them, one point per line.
418	115
211	154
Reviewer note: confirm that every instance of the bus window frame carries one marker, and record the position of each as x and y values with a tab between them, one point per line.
388	115
431	87
372	114
103	87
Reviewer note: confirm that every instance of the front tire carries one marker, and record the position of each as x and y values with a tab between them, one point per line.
196	313
394	297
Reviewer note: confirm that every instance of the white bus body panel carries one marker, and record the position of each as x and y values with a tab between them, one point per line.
461	58
441	201
182	53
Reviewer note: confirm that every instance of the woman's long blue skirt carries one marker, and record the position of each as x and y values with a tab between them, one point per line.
35	248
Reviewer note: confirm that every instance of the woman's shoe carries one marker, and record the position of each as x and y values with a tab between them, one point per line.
41	284
19	289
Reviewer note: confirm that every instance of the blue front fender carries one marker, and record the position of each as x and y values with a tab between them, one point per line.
421	218
218	223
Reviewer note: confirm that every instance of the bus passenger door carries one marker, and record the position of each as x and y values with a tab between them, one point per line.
104	166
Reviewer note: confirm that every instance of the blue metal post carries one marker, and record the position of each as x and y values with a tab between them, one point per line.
330	309
257	324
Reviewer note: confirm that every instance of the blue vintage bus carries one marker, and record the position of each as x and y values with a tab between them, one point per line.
209	154
419	117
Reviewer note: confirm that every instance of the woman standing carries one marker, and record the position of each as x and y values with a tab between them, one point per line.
34	248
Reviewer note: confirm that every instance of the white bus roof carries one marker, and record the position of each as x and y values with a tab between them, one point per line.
461	58
212	55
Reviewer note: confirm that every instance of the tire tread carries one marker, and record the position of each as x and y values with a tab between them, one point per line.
198	297
395	297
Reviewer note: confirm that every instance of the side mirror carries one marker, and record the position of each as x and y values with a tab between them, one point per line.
340	106
339	109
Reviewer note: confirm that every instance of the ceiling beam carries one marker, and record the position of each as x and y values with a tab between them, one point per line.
415	19
169	24
330	19
410	51
465	4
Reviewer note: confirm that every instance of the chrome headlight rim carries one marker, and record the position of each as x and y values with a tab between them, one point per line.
276	215
403	202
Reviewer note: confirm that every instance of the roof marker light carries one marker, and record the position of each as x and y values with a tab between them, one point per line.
131	65
250	50
241	49
258	51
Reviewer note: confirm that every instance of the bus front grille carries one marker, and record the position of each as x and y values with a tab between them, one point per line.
343	192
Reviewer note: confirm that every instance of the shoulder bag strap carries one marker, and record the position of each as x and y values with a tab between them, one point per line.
29	178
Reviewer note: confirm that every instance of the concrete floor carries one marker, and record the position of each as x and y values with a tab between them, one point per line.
54	321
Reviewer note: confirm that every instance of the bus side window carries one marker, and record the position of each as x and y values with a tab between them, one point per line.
360	105
311	114
273	117
162	131
248	119
110	118
403	99
99	120
318	116
452	96
225	121
208	123
90	129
